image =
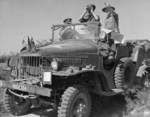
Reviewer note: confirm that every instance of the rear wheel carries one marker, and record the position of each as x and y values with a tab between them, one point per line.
16	105
124	73
76	102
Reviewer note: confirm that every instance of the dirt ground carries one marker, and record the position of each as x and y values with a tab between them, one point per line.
102	106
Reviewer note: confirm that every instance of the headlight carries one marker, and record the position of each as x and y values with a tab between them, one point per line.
54	65
102	35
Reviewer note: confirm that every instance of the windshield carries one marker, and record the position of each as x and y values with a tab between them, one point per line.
78	31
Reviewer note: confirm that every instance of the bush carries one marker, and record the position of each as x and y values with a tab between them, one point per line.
139	104
4	58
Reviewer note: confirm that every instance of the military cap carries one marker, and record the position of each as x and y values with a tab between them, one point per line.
67	21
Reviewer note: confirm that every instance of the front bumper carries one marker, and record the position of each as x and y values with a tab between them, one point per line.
26	88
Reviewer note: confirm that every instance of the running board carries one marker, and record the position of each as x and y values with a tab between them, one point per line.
117	90
112	92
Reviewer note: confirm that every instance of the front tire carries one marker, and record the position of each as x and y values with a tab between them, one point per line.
76	102
16	105
124	72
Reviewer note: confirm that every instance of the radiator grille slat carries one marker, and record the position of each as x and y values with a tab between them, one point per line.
71	61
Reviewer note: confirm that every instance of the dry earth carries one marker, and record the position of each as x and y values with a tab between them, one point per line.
102	106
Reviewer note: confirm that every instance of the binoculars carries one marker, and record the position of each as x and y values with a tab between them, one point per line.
88	8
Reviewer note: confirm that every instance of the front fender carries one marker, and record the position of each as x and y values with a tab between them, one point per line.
90	78
67	74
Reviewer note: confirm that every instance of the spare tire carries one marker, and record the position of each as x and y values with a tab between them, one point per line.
124	73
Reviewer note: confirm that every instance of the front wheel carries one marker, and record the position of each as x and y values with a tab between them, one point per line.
16	105
76	102
124	71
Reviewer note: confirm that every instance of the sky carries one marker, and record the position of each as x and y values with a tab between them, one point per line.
19	18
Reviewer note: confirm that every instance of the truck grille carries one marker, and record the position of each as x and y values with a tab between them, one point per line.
31	66
71	61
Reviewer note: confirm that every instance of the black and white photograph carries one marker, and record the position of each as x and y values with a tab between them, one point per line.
74	58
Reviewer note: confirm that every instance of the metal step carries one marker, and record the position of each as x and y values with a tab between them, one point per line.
117	90
112	92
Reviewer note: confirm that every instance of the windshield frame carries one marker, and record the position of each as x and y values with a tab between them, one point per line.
58	26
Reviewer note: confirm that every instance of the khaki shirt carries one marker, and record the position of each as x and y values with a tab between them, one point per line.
111	22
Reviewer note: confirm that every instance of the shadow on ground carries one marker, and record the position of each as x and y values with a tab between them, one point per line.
103	107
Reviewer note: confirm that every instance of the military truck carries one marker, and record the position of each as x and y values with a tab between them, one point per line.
67	72
139	50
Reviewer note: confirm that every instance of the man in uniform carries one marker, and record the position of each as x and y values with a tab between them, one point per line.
65	32
112	20
89	14
107	48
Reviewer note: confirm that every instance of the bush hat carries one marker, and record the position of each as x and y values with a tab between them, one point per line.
105	8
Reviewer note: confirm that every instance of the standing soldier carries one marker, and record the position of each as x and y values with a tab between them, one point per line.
89	14
112	20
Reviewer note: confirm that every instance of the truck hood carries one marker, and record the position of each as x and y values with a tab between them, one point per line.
71	47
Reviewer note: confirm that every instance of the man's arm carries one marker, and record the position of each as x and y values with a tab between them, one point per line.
82	16
112	50
97	18
62	30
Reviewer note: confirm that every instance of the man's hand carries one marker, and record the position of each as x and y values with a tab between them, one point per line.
88	8
110	57
107	5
